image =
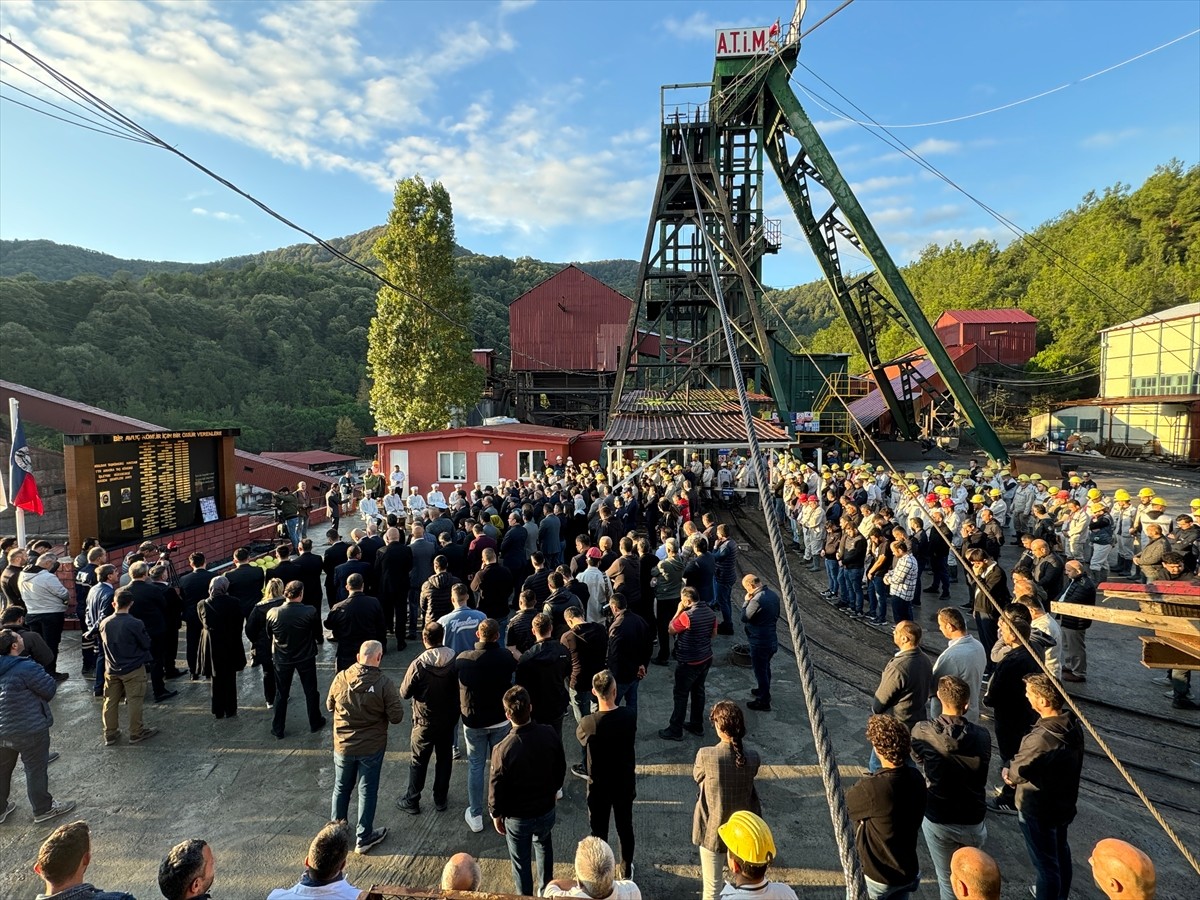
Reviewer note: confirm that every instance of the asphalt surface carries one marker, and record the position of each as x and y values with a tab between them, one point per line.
259	801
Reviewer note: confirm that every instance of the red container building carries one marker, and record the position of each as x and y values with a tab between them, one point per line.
1007	336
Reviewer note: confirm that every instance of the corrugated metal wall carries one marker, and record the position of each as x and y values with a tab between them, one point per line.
570	321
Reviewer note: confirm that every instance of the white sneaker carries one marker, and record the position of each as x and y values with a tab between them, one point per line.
558	796
475	823
8	811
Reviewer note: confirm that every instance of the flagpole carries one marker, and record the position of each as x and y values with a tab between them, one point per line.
14	412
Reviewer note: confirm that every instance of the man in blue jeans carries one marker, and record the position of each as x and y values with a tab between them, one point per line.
364	702
760	616
484	674
528	768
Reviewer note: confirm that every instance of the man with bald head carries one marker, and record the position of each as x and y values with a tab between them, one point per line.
974	875
461	873
1122	871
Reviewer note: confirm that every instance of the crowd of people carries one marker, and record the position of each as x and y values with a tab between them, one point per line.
558	594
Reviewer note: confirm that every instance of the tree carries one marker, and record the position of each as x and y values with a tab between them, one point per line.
347	438
419	343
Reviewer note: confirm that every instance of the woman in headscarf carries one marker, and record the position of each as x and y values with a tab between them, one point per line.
222	655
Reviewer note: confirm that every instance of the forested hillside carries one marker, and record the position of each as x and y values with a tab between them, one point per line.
1118	255
276	344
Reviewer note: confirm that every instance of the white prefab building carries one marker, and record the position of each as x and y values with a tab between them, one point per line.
1150	382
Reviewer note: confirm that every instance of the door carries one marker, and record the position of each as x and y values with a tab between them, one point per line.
398	458
487	468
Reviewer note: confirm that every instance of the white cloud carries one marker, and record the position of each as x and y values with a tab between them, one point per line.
698	26
1102	140
879	183
215	214
293	81
832	126
927	147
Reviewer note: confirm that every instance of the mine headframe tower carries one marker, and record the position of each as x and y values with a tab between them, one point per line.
713	151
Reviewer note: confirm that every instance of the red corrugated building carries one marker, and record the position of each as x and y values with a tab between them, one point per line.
1007	336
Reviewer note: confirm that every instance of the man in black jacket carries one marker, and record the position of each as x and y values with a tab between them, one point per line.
193	587
1005	694
484	674
437	594
127	651
294	628
528	768
493	585
1045	772
311	568
356	619
940	542
539	580
989	590
246	582
1079	589
334	556
518	635
587	645
431	683
560	600
286	569
543	670
354	563
630	642
608	737
393	574
954	753
906	682
148	606
887	807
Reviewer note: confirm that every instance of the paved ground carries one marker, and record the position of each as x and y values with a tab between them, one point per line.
258	801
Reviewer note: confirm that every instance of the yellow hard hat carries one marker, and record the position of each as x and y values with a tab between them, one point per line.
748	838
1094	494
1096	507
994	492
1022	478
1159	501
914	487
1146	492
1121	494
1034	476
942	490
1195	504
1075	479
978	498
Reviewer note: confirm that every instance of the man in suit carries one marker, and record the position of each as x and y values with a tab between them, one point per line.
357	619
354	563
193	587
245	581
334	556
148	606
311	567
286	568
393	574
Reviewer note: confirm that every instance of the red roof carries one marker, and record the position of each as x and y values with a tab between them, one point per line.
516	429
1006	316
310	457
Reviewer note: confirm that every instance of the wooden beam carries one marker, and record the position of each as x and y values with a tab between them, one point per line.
1159	654
1135	618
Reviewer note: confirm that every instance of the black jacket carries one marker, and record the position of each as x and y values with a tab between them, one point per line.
495	586
221	651
542	670
1048	572
630	642
126	643
609	738
520	630
626	578
311	567
370	547
556	608
431	682
393	573
700	573
528	768
334	556
587	644
484	674
954	753
343	572
1006	696
287	571
294	629
993	582
1078	590
256	630
886	809
246	585
1046	769
148	606
193	587
356	619
436	600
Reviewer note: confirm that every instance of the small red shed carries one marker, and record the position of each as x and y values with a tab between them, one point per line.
483	453
1007	336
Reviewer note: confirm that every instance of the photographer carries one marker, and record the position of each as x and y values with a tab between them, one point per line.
287	512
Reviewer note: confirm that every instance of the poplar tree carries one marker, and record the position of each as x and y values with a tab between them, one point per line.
423	377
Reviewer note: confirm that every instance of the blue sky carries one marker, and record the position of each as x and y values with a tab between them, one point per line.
542	118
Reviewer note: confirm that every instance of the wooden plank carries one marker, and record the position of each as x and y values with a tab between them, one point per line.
1134	618
1135	591
1158	654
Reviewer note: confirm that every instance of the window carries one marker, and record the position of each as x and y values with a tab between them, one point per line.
452	466
530	462
1089	426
